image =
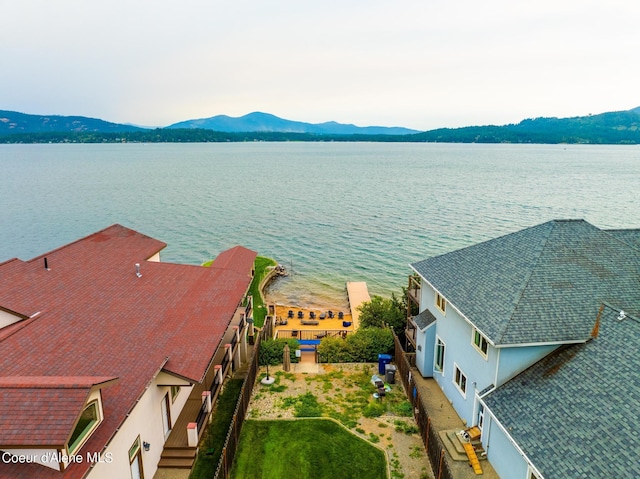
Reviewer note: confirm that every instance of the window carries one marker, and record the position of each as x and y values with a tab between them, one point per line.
480	416
438	363
480	342
441	303
460	379
175	390
135	460
89	420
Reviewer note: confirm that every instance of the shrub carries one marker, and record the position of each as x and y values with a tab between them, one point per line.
272	350
374	409
362	346
404	409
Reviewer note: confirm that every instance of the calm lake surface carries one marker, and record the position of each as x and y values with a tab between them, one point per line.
330	212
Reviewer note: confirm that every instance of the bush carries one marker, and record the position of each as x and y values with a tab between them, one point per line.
404	409
363	346
272	351
374	409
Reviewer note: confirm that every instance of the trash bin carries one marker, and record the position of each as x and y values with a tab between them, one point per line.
383	360
390	373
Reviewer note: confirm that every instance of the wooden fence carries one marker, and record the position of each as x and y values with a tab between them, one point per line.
435	449
233	436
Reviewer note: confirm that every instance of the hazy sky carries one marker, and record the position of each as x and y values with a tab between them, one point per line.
416	63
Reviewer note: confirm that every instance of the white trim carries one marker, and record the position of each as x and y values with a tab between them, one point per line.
495	379
453	380
435	355
475	330
548	343
532	472
511	440
441	303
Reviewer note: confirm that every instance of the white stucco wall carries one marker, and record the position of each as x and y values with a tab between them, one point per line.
145	420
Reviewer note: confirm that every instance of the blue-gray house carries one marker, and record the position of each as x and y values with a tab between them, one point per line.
535	338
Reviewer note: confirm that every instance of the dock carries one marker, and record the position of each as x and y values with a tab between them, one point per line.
358	293
313	324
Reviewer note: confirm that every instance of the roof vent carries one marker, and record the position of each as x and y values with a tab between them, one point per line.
621	316
138	273
46	264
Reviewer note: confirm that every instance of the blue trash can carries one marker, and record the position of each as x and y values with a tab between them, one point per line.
383	360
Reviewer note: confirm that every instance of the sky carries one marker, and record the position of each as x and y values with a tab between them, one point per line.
420	64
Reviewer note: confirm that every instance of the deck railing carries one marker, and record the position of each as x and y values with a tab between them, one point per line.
202	417
313	334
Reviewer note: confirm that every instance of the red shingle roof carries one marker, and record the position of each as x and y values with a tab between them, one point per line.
42	411
97	318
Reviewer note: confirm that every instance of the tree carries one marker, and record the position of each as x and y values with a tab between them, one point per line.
381	312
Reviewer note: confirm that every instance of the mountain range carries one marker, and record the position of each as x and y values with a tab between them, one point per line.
12	122
258	121
620	127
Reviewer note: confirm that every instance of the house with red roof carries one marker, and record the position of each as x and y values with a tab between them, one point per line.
111	359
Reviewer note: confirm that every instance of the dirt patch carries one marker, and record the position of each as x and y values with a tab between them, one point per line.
345	392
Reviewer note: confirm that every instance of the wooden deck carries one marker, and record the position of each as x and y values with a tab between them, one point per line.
302	329
322	325
358	293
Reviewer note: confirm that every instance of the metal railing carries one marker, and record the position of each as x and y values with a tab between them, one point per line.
202	417
313	334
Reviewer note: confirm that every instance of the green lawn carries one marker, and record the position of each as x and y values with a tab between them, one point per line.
262	267
305	449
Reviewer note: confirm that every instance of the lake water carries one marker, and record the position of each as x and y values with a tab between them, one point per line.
329	212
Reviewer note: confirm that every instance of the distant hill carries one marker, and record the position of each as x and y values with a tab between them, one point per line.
613	128
12	122
620	127
265	122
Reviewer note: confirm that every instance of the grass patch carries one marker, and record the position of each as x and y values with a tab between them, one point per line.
312	449
305	405
209	456
402	426
262	267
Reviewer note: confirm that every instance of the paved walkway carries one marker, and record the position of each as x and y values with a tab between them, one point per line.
444	418
307	364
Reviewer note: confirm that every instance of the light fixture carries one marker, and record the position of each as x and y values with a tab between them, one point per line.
146	446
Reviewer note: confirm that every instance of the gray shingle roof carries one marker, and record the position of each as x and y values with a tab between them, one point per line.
631	237
538	285
575	413
424	319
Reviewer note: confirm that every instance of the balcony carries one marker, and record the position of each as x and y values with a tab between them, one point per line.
413	290
179	449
